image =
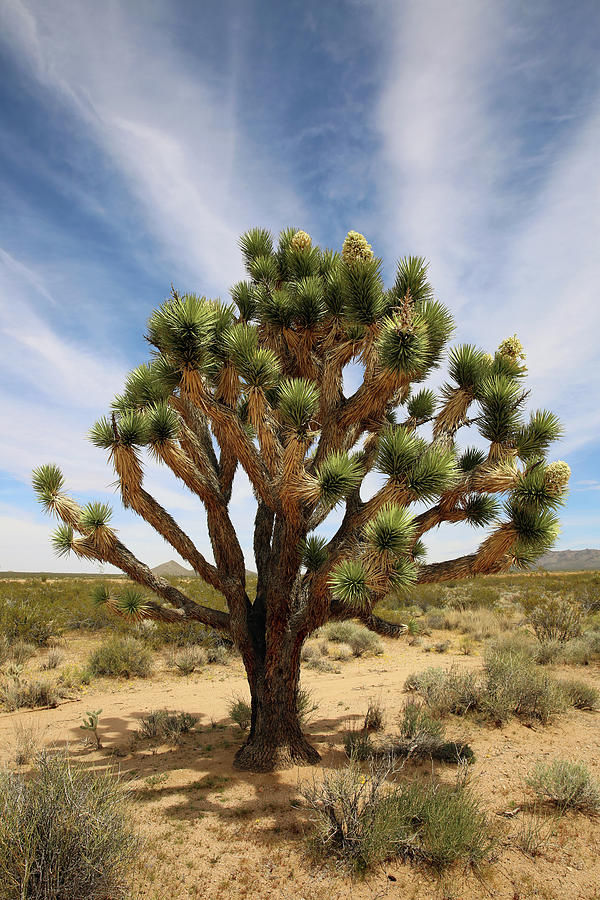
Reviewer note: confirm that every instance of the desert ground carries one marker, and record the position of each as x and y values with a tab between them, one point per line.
210	830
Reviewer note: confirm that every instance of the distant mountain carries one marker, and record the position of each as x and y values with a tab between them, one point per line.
569	561
172	569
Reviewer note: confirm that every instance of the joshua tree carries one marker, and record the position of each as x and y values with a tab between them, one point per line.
261	385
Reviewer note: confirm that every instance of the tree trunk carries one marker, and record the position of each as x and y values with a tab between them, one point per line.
276	740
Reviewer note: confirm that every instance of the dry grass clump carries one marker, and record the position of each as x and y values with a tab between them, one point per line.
27	741
64	833
361	641
52	661
17	693
341	652
579	694
565	784
21	651
421	737
241	711
509	685
364	819
480	624
556	619
188	660
162	723
121	657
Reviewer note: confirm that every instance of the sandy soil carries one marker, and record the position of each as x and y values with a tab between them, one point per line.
214	832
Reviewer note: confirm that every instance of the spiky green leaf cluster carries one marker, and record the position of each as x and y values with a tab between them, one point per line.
421	406
349	583
47	482
298	402
314	552
403	347
95	515
390	531
337	476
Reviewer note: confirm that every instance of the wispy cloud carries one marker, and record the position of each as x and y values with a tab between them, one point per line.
196	178
512	241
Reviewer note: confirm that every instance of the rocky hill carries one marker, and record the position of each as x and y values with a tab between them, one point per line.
569	561
173	569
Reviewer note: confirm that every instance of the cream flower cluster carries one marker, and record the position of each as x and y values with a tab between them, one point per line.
557	476
512	347
301	241
356	248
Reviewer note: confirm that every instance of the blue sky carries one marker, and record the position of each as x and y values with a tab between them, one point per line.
140	137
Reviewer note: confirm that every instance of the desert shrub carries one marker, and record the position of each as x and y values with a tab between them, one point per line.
580	694
584	650
555	619
73	678
359	639
178	634
26	620
549	653
341	652
374	718
515	687
241	712
306	706
447	691
321	664
416	720
363	819
309	650
521	643
162	723
565	784
437	619
510	684
64	833
123	657
27	741
4	649
358	745
474	595
21	651
441	646
217	654
466	645
534	833
17	693
188	660
52	661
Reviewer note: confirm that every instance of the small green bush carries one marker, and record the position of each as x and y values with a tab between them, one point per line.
565	784
358	745
52	661
162	723
584	650
123	657
188	660
26	620
509	685
580	694
21	651
556	619
64	834
359	639
241	712
364	820
16	693
374	718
